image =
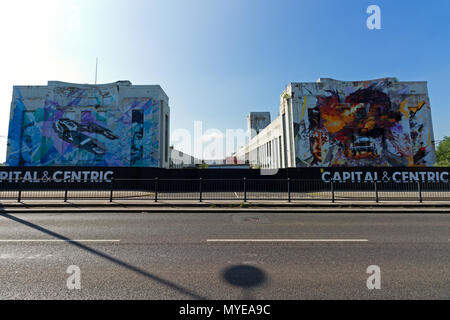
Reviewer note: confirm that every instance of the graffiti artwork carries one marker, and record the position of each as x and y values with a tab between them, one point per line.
137	132
83	125
71	132
365	124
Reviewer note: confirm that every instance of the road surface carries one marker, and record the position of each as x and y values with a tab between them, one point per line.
224	256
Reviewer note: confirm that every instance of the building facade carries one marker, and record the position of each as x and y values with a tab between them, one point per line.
331	123
179	159
257	121
112	125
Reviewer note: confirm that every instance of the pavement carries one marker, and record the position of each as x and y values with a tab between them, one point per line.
211	255
137	206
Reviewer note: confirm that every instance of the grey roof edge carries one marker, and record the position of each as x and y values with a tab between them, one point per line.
122	83
142	86
119	82
57	82
325	80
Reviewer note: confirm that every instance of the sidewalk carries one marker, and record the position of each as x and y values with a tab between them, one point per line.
55	206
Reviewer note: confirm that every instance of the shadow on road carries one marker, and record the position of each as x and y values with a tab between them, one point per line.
104	256
245	277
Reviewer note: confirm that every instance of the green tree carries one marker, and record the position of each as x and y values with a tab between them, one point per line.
443	153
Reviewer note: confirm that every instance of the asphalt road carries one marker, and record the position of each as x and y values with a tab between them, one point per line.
221	256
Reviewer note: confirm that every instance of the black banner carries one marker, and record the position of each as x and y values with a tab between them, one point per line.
132	177
242	309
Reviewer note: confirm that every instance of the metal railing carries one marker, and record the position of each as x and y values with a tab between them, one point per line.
228	189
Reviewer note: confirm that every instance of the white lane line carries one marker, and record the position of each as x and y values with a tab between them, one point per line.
287	240
236	195
57	240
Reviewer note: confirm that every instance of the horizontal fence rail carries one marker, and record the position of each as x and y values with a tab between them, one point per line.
227	189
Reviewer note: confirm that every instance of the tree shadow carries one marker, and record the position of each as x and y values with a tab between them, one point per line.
100	254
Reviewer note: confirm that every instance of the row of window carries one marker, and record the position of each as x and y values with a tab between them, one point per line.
267	155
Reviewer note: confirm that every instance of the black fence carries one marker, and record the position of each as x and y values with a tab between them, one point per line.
244	189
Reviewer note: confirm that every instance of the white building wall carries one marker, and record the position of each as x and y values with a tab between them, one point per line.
179	159
257	151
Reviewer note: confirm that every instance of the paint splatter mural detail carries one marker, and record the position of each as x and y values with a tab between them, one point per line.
85	125
71	132
137	131
378	123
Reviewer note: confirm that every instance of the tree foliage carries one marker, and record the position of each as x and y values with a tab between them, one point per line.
443	153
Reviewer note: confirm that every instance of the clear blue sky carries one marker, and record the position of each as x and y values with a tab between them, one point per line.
219	60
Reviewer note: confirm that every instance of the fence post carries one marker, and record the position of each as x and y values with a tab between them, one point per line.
200	187
376	192
332	191
245	189
65	195
289	189
111	190
419	189
19	197
156	189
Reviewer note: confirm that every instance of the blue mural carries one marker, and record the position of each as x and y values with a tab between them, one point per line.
92	126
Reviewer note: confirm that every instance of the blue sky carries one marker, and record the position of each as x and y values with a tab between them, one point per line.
219	60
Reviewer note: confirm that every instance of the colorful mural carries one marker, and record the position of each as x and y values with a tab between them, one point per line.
378	123
83	125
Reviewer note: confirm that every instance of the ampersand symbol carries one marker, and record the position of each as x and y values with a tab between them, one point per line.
45	177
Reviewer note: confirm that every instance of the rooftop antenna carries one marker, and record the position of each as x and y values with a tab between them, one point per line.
96	67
